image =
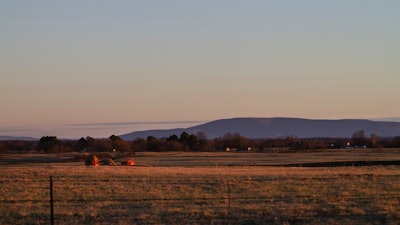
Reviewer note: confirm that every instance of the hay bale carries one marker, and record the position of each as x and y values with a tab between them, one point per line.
128	162
92	160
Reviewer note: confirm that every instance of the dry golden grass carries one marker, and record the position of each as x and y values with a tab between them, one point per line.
200	194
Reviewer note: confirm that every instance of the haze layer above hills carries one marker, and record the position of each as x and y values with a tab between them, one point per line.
279	127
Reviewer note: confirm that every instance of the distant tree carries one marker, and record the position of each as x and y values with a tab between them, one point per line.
68	146
374	140
218	144
173	145
235	140
90	144
173	138
139	145
293	142
358	138
184	137
18	146
102	145
202	142
48	143
81	144
338	143
189	141
395	143
118	144
97	145
152	144
193	143
115	138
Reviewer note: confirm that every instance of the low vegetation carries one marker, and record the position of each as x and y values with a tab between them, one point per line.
198	143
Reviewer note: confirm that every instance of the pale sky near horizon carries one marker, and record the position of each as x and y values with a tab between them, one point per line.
114	61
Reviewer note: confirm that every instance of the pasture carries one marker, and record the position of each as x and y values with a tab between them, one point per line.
204	188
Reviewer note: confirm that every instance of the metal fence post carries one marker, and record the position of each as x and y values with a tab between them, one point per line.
51	201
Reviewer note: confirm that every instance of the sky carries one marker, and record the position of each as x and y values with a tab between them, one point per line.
95	61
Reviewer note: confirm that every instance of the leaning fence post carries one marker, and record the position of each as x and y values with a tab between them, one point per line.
51	201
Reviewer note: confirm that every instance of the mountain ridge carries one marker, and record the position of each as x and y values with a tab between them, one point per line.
274	127
17	138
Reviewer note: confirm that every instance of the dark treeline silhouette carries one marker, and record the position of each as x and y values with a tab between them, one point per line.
197	142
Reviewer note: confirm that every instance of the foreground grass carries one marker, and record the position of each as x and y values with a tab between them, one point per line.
200	195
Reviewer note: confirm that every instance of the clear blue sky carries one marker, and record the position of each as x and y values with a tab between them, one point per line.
113	61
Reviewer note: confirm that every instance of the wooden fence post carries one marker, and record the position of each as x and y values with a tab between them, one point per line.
229	203
51	201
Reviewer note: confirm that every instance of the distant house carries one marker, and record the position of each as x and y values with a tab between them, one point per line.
248	149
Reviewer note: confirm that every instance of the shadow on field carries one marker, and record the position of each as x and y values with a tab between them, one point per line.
345	163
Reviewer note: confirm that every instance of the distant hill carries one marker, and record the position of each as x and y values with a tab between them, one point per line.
392	119
12	138
279	127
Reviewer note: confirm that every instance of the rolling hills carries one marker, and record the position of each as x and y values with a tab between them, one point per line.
279	127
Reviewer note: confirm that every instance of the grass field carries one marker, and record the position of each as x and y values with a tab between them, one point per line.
204	188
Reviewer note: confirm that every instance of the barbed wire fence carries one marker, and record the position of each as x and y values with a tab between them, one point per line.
60	200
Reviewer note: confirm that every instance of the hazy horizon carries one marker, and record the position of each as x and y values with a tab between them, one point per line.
104	130
95	130
74	62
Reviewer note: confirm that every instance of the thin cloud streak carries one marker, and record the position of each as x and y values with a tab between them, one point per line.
96	130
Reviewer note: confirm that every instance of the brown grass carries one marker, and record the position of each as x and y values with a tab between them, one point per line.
197	194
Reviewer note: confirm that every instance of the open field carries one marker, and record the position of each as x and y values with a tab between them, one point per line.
215	159
205	188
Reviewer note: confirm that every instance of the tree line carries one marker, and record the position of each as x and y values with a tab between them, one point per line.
197	142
